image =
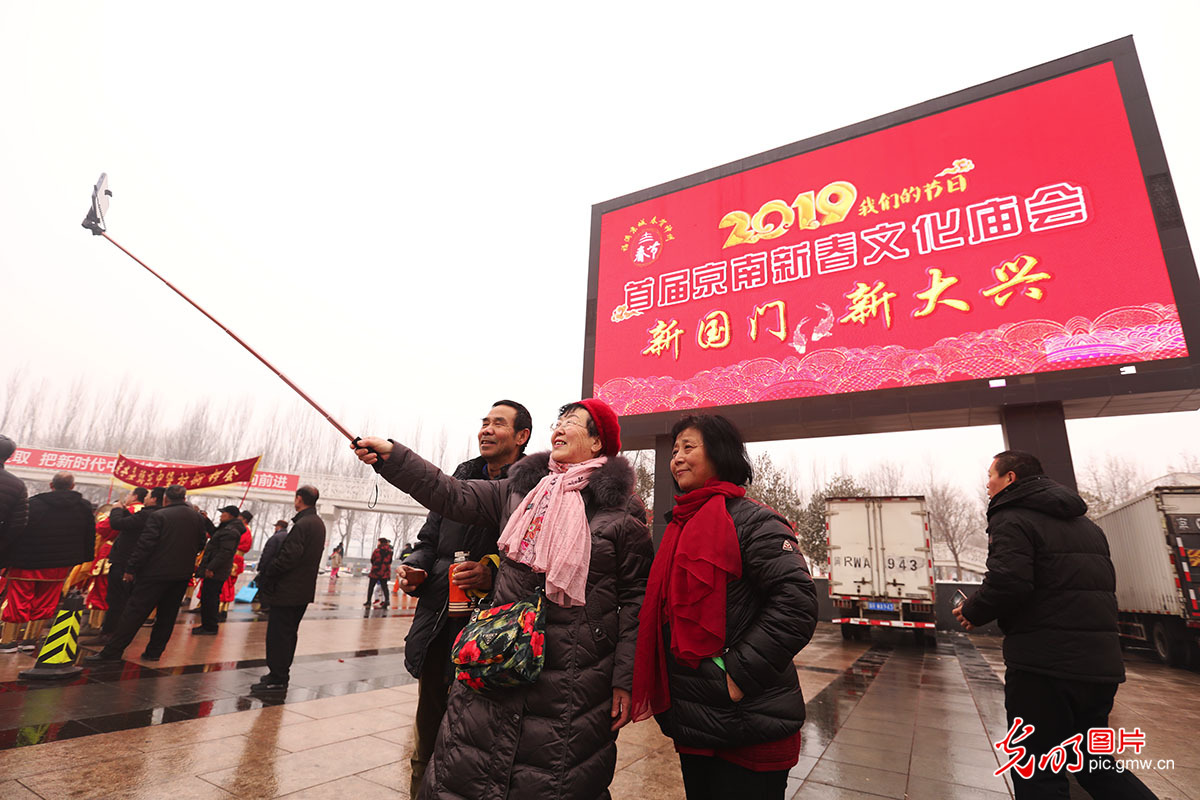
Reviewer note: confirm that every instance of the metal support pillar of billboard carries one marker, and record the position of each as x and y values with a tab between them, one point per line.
664	486
1041	429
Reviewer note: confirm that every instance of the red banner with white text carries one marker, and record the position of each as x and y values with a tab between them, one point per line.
104	464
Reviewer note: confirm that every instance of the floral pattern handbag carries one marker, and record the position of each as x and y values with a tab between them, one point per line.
502	646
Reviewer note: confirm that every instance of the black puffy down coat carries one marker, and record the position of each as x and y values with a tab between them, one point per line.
166	550
437	542
770	614
14	511
552	738
290	579
218	553
1050	584
61	532
129	528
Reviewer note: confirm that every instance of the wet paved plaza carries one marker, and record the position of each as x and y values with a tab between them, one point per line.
885	718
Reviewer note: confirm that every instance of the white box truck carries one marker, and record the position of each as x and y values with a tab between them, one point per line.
1155	545
880	564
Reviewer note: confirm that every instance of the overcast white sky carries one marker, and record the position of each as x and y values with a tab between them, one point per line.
392	202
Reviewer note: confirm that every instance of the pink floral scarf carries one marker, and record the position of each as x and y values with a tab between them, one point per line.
551	535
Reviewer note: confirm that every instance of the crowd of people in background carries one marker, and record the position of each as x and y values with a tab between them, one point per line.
700	632
139	561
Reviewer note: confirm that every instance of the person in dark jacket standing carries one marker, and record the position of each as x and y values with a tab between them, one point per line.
425	574
129	520
729	604
159	568
214	567
269	549
1051	587
288	584
381	571
14	504
61	534
572	527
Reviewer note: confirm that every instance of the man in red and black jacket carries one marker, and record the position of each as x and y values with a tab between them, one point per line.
381	571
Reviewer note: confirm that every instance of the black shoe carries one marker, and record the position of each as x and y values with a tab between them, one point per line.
151	656
200	630
195	610
269	684
101	658
367	604
224	615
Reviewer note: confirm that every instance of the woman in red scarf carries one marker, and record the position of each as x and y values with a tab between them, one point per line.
728	605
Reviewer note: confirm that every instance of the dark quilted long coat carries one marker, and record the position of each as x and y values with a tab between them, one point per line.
552	738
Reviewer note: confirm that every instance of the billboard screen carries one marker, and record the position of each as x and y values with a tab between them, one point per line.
1008	235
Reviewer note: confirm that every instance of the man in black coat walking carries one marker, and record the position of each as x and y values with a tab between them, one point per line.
159	568
288	584
129	520
14	505
1051	587
425	574
214	567
61	534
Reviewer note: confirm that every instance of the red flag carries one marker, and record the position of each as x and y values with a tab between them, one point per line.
137	473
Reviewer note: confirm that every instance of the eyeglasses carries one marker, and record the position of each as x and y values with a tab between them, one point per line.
566	423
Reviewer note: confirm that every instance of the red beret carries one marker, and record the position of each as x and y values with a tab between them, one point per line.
606	422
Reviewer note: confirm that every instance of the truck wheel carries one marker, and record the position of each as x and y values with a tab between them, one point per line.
920	637
847	631
1169	648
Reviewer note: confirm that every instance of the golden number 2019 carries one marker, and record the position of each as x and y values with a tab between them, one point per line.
808	211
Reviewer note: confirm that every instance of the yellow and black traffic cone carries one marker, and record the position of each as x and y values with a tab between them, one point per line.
56	660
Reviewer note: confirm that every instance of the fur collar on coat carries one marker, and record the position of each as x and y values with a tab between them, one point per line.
609	487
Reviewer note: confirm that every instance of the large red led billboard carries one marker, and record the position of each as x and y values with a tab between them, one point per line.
1009	235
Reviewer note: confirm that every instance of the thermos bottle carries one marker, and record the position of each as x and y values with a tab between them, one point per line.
460	604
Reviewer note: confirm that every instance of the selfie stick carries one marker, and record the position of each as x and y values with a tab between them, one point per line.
94	221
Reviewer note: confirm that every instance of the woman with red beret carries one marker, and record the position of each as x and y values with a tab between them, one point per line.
573	526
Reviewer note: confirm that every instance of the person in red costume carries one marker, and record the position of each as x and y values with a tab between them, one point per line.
97	590
229	590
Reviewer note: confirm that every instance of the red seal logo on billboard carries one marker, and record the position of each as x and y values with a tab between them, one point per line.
645	241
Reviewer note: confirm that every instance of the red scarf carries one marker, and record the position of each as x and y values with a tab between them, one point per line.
686	590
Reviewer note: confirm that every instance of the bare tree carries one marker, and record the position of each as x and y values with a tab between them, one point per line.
404	529
1106	483
14	385
1188	462
954	519
884	479
643	471
775	487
